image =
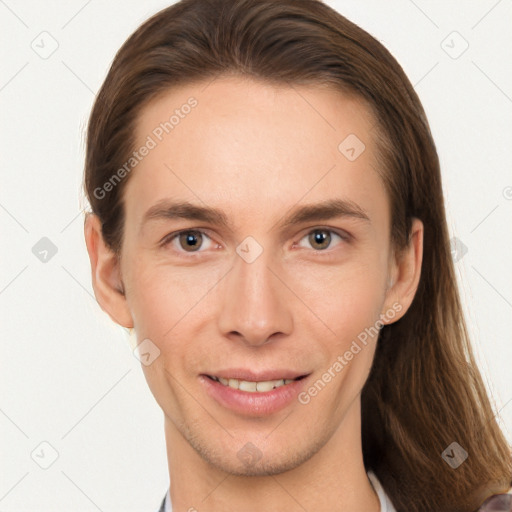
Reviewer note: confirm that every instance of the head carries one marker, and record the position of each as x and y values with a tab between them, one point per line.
288	204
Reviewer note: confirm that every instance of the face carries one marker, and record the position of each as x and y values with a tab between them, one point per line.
257	249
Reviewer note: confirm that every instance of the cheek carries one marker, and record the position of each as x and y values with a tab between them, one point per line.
173	308
349	303
347	298
163	297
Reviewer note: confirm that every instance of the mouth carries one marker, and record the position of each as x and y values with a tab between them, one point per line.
252	386
254	394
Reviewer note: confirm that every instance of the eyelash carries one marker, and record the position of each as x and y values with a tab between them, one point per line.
170	238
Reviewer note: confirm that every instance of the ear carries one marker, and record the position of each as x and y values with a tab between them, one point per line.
106	276
404	275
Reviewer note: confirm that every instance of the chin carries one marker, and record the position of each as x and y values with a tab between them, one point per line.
249	460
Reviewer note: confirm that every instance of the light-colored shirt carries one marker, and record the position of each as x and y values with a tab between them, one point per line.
385	503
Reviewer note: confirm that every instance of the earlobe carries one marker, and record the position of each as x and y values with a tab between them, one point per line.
105	272
406	272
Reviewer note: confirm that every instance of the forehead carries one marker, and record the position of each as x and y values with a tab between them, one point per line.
248	145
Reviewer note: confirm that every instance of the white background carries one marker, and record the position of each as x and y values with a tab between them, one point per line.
68	376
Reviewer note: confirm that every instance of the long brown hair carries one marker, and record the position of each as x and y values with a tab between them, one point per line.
424	391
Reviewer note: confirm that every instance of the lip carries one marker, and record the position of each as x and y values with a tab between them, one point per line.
261	376
253	404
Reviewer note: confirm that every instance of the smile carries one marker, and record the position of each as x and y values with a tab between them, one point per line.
263	395
251	386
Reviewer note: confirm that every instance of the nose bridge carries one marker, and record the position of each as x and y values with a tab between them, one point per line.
254	305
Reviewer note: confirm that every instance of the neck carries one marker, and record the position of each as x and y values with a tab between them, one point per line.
333	479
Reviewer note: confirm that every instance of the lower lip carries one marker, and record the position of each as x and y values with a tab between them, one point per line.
253	404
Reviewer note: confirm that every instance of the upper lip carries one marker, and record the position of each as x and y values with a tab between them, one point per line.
257	376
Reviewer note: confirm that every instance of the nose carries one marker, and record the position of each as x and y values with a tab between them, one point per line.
255	305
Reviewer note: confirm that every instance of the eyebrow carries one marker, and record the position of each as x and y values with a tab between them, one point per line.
333	208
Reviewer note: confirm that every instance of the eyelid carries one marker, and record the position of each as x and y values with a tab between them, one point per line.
346	237
170	237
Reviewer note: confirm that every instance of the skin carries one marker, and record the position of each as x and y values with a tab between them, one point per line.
257	152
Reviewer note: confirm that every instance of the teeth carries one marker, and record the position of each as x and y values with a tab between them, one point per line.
245	385
265	386
253	387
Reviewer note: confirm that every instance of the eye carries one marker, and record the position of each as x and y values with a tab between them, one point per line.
189	241
320	239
